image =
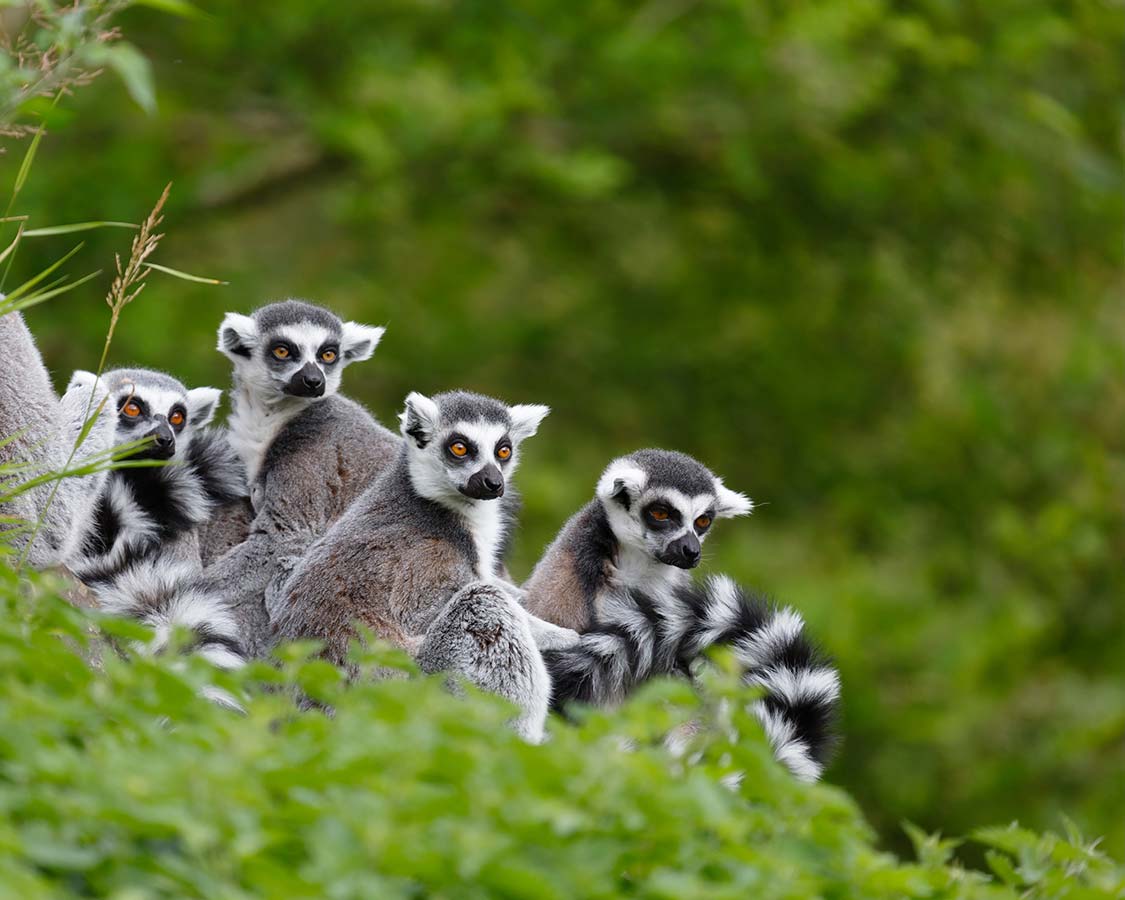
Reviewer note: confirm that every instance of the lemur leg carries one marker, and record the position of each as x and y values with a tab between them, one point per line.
485	636
242	575
547	635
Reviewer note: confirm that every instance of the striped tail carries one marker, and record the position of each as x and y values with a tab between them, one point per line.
162	595
640	636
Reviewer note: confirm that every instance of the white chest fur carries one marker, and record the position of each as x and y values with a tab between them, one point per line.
254	425
485	522
637	569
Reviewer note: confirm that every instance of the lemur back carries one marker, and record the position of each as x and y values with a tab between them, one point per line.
38	431
308	450
416	558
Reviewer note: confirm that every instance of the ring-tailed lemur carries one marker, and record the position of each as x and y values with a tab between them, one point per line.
149	511
618	574
416	558
308	450
142	549
38	431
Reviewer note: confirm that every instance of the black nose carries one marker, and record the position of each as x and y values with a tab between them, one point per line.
487	484
164	440
308	382
684	552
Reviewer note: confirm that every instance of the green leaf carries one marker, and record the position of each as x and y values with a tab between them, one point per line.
173	7
28	159
42	296
184	275
135	72
77	226
18	292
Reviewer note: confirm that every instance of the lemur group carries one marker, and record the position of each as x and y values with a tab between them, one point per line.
304	517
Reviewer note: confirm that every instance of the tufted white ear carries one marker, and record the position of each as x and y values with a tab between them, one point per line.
729	504
83	379
202	404
420	418
238	335
359	341
525	419
622	482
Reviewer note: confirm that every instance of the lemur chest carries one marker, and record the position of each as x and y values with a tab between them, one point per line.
485	522
253	428
637	570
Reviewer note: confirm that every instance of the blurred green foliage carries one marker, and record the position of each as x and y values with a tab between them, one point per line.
119	781
863	258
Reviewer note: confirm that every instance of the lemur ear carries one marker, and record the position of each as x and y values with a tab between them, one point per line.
729	504
420	418
525	419
360	341
238	335
202	404
83	379
621	483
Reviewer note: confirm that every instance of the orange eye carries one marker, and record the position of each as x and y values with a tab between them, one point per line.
176	419
281	353
703	522
659	514
504	452
131	409
458	449
328	356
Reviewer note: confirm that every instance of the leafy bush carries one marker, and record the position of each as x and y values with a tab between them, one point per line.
119	780
863	258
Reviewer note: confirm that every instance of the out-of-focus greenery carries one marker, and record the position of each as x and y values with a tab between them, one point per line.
862	258
122	782
50	49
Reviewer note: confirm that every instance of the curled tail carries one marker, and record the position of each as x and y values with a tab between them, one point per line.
639	636
163	595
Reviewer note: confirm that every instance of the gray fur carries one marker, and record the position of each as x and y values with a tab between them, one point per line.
47	428
308	457
413	560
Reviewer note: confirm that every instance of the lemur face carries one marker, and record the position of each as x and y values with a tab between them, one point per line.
294	349
465	446
664	504
155	406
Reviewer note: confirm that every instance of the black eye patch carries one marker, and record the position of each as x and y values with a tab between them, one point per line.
131	409
453	448
661	516
282	352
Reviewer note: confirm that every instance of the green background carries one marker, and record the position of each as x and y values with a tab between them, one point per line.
862	258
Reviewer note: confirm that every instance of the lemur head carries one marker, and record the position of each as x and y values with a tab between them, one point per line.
462	447
664	503
156	406
293	349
